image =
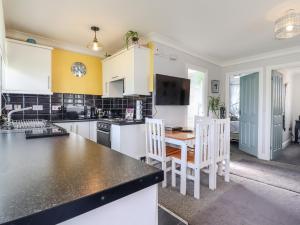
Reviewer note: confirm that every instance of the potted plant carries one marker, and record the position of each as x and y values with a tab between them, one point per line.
131	36
216	108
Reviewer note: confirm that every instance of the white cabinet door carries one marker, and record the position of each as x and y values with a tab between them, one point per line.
93	131
106	73
82	129
67	126
115	137
28	68
132	65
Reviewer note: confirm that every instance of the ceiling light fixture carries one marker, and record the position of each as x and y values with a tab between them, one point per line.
287	26
95	45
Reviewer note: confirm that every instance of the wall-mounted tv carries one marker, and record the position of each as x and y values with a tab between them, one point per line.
171	90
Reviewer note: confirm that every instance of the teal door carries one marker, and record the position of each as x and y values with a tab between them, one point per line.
249	87
276	113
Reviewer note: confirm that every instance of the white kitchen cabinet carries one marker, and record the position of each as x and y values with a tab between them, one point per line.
129	140
28	68
67	126
80	128
131	67
93	131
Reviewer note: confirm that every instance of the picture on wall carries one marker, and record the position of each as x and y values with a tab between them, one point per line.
215	86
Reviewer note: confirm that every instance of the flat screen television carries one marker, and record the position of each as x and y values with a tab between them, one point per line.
171	90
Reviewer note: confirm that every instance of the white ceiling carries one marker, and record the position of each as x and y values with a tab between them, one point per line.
218	30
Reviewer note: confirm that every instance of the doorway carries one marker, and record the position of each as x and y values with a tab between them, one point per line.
244	109
198	95
285	112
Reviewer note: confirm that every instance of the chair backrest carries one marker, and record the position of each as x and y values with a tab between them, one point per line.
155	139
221	136
203	136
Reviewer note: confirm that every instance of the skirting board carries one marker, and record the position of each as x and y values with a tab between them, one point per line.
286	143
173	214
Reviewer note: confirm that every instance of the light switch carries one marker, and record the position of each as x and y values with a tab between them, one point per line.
37	107
8	106
16	106
56	107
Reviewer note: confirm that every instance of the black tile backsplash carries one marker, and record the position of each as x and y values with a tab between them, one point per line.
117	105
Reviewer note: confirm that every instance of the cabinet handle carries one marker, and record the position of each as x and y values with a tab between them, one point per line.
76	129
115	77
48	82
106	87
71	128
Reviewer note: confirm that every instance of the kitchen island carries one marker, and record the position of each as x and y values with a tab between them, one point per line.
72	180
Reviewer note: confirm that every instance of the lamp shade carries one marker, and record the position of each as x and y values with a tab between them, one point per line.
95	45
287	26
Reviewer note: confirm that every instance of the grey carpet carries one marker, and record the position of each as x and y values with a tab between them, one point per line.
278	175
240	202
243	201
244	206
165	218
290	155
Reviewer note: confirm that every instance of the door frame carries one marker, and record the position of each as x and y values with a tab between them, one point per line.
268	119
260	149
205	81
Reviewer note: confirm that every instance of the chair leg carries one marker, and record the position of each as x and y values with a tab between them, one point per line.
197	183
227	170
220	168
173	174
148	160
164	168
212	177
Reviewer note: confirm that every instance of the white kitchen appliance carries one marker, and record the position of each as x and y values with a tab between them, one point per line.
139	110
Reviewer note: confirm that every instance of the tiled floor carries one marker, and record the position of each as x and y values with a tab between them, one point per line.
164	218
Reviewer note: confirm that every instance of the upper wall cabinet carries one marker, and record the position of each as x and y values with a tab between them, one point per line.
28	68
130	68
64	63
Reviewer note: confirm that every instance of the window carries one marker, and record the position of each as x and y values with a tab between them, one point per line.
196	106
235	97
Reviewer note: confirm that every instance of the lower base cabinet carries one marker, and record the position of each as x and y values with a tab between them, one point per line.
85	129
139	208
129	140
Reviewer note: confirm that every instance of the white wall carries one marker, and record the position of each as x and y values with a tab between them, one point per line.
2	48
295	98
177	115
264	65
288	81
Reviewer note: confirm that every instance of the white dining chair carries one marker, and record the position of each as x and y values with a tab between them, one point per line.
222	147
200	158
156	149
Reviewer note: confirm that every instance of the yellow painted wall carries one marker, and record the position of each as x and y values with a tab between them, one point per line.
63	81
151	78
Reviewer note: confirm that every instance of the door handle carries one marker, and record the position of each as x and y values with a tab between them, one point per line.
101	131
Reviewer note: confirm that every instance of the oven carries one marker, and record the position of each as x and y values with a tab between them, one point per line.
103	133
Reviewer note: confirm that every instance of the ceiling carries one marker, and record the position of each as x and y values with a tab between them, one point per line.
217	30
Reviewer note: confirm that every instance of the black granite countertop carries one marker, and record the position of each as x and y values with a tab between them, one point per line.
75	120
49	180
111	121
122	122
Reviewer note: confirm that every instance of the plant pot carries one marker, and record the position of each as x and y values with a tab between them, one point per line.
222	112
212	115
135	40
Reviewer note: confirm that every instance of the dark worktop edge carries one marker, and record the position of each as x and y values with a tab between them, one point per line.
100	119
85	204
